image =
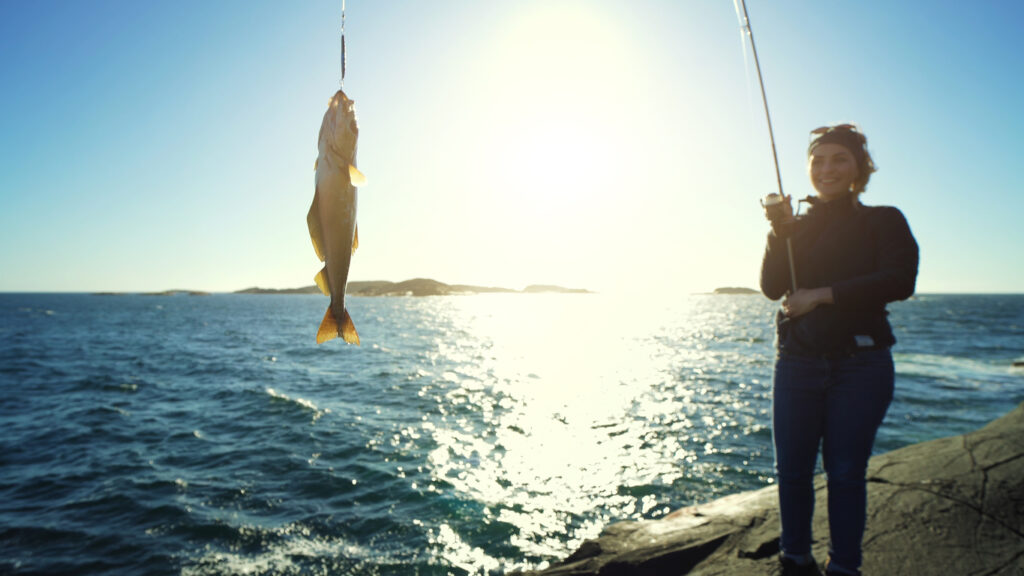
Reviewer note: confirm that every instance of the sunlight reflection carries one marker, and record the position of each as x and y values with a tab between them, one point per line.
563	410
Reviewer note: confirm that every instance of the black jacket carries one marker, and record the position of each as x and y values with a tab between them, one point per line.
868	256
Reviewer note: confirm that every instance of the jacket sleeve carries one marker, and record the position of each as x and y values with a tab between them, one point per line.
775	268
896	255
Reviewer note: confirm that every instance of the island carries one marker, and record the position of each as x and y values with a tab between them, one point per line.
735	290
419	287
173	292
256	290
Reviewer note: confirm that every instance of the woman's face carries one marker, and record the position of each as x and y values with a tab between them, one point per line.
832	169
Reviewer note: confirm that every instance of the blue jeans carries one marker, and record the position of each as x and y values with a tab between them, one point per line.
839	403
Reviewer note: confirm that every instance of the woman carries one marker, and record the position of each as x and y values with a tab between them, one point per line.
834	374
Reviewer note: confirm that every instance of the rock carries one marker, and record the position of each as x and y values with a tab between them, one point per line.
948	506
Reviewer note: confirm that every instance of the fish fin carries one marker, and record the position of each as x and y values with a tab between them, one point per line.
315	233
356	177
328	328
322	282
348	330
355	239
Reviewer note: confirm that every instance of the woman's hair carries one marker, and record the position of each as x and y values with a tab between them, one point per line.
849	137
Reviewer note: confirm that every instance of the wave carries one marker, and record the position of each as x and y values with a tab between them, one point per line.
936	366
300	402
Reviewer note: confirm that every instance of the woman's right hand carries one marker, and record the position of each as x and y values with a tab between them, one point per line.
779	212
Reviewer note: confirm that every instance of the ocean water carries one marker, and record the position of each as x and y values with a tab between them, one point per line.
473	434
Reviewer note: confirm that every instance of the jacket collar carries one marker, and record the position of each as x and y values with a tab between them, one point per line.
833	208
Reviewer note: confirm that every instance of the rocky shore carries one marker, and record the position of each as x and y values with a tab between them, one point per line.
949	506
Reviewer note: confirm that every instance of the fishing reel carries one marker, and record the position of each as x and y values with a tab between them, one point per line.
779	212
775	208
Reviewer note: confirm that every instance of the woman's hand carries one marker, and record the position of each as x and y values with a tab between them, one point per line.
804	300
780	212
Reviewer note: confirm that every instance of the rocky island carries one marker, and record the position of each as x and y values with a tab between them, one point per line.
735	290
418	287
176	292
948	506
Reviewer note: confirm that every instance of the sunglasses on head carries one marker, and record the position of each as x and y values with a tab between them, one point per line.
840	128
822	130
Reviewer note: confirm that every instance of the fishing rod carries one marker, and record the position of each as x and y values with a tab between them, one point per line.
772	203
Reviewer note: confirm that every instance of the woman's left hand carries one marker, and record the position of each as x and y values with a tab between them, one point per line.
804	300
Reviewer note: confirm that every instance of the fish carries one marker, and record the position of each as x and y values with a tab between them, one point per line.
332	216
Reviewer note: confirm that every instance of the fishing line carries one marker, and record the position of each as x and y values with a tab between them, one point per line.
342	43
745	23
746	60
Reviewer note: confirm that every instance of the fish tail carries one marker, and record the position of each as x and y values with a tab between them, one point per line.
348	330
329	328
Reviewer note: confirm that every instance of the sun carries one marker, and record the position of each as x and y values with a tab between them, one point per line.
561	124
565	168
551	154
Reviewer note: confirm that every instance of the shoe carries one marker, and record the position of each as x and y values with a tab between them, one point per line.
829	571
789	567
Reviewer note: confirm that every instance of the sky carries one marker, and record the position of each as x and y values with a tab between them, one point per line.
615	146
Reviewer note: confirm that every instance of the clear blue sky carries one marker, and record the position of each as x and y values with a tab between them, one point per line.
155	145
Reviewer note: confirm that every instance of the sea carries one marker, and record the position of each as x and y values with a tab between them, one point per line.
476	434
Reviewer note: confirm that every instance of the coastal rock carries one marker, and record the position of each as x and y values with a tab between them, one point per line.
948	506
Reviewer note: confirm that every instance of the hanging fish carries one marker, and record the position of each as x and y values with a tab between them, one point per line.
332	217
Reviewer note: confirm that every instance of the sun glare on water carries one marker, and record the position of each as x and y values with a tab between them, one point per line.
550	424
